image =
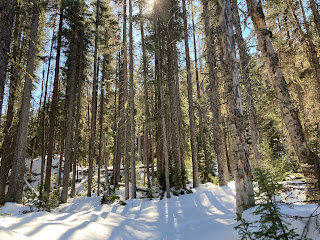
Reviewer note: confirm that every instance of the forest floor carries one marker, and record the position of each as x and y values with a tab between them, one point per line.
207	213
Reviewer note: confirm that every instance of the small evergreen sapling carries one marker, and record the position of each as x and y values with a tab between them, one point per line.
270	225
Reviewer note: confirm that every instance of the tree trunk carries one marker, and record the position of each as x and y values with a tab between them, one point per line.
316	15
78	116
200	102
7	140
190	100
159	59
214	98
239	155
244	64
93	104
70	112
61	155
54	105
306	38
7	13
173	104
132	125
17	176
122	99
309	162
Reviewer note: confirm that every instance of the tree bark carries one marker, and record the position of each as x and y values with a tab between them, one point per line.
306	38
17	176
70	112
122	99
244	64
200	102
94	103
239	155
159	59
54	105
214	99
7	140
173	103
132	125
78	115
309	162
190	100
7	13
316	15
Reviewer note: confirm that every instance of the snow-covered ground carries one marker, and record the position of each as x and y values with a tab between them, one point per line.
207	213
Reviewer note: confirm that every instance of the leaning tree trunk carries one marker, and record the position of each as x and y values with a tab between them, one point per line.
238	153
17	176
190	100
244	64
214	98
7	13
316	15
306	39
309	161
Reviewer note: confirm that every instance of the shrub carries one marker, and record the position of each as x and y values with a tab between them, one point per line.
271	224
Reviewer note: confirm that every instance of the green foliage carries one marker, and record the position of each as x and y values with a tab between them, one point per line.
243	229
112	198
214	179
48	201
271	224
175	193
43	202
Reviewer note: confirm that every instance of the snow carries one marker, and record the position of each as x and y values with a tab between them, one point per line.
207	213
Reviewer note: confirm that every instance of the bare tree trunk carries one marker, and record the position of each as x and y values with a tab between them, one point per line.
106	162
70	112
43	121
7	13
93	104
39	123
316	15
159	60
173	105
306	38
244	64
146	98
7	140
200	102
151	156
309	161
61	155
190	100
132	125
122	99
164	137
54	105
78	115
239	155
214	98
101	119
17	176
